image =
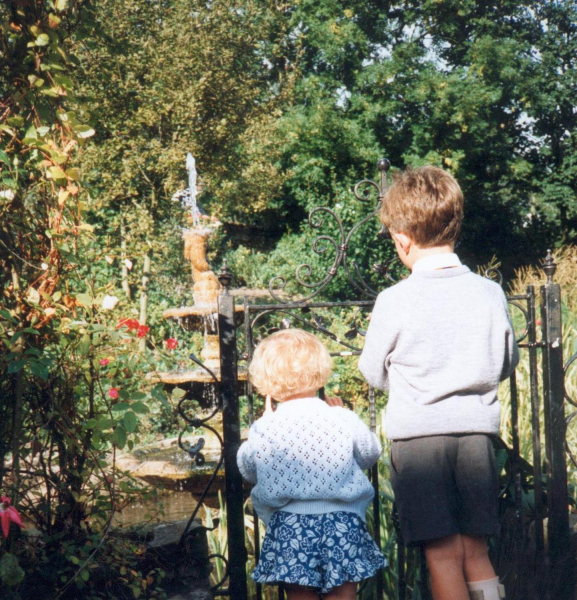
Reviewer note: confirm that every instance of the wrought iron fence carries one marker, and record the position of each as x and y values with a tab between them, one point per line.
533	555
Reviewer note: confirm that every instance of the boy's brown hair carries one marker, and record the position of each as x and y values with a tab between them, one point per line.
426	204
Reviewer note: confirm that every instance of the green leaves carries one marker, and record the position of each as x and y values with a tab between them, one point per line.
16	366
39	369
11	574
85	299
130	421
119	437
42	40
57	174
140	408
83	131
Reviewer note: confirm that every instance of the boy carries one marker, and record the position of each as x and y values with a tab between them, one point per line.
440	342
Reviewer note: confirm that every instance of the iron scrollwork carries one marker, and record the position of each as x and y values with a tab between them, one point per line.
493	273
195	453
568	365
571	417
308	318
363	192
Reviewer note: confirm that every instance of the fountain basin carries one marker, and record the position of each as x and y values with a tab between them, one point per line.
197	318
165	464
193	376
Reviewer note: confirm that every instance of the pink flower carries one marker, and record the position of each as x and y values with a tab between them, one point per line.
171	343
104	362
113	393
8	514
142	330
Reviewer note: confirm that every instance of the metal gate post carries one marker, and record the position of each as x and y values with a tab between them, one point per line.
237	554
561	576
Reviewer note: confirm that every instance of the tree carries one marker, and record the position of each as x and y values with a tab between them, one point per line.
56	397
182	77
483	90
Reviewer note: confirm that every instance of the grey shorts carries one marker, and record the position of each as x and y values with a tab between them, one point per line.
444	485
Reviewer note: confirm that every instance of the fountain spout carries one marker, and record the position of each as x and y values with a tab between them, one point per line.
205	290
206	287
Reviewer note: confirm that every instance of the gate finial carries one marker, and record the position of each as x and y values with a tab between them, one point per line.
384	164
549	266
225	276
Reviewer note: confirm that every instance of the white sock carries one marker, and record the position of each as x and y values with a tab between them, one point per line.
488	589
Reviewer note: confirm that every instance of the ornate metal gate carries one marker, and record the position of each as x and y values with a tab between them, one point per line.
533	558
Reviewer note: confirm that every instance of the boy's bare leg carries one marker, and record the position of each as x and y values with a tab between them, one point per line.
346	591
446	560
477	565
299	592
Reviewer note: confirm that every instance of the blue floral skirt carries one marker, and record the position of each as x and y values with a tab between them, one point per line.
319	551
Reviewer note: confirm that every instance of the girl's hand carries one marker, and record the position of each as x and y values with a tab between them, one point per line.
334	401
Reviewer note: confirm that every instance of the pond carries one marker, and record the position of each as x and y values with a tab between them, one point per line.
179	481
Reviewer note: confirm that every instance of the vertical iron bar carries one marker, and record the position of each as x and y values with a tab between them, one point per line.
248	336
401	581
383	165
424	574
536	427
561	575
237	554
515	454
250	397
376	499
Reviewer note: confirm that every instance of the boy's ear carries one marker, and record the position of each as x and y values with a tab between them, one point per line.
403	240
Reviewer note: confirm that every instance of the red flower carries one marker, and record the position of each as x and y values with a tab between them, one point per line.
142	330
104	362
171	343
8	514
132	324
113	393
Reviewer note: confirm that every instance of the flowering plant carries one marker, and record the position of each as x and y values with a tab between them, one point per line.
131	324
171	343
8	514
134	325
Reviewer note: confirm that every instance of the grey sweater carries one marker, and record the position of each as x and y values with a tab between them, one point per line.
440	342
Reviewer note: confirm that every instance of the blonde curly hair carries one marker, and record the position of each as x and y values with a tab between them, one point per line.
288	362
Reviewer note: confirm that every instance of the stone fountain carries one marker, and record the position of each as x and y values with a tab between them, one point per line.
203	314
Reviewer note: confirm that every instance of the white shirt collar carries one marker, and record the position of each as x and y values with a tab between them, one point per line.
437	261
298	402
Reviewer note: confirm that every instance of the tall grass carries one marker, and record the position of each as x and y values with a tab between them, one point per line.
566	276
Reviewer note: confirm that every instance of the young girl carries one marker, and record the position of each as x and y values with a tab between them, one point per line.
306	460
